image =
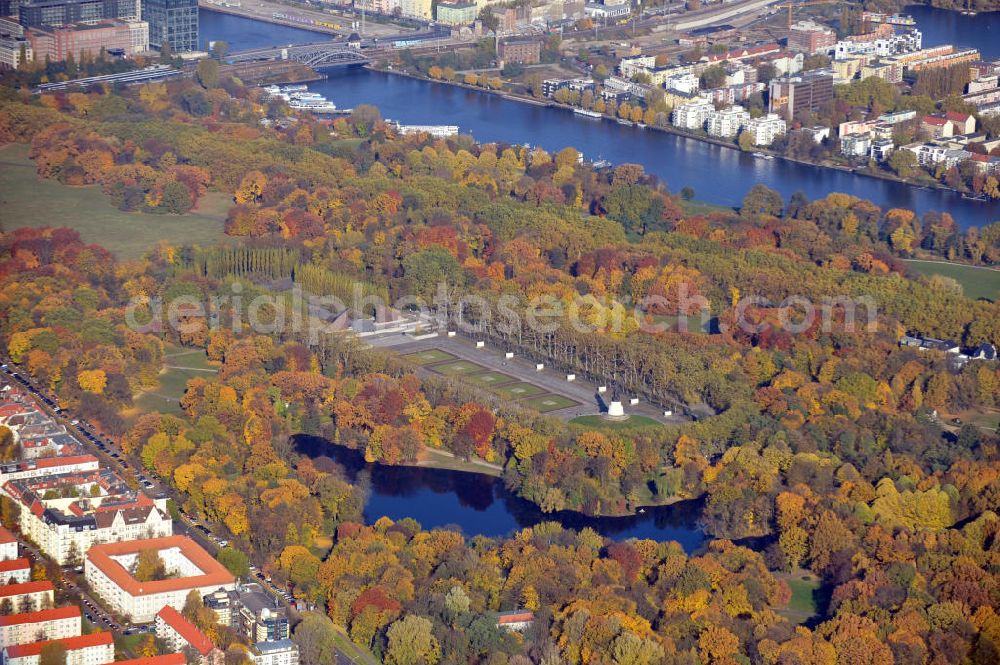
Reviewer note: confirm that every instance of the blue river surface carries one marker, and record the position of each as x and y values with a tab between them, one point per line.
718	175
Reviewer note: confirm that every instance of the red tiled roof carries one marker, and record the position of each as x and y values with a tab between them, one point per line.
15	564
186	629
71	644
166	659
955	115
39	616
25	587
6	536
215	574
935	120
511	617
46	462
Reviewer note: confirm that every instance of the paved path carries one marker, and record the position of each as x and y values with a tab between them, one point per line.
581	391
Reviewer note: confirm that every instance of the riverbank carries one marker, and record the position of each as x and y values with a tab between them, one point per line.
704	138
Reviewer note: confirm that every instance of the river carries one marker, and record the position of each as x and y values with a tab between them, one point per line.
481	505
717	175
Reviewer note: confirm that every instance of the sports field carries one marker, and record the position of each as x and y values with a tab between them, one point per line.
509	387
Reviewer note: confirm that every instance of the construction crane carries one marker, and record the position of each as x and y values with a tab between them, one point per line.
791	5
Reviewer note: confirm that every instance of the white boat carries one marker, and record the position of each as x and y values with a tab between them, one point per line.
313	105
587	113
294	88
627	123
307	96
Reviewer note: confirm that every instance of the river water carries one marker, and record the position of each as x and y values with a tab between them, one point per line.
717	175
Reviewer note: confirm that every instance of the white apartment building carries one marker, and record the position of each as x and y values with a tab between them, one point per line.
8	545
108	570
48	466
684	82
101	509
53	624
281	652
727	122
179	633
13	49
15	571
766	128
28	596
692	116
639	64
138	33
93	649
417	9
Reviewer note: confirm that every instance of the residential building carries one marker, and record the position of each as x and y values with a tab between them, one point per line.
55	13
257	615
983	83
931	154
523	51
93	649
617	84
179	633
817	133
683	82
881	149
898	117
66	514
785	64
8	545
52	624
847	69
811	37
220	603
692	116
46	467
15	571
173	22
961	123
886	71
456	13
937	127
515	620
944	60
727	122
550	86
420	9
855	145
28	596
108	571
804	93
629	67
280	652
14	51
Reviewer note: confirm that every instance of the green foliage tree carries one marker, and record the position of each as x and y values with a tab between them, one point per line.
411	641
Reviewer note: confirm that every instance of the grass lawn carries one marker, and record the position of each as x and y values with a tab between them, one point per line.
458	367
977	282
180	364
28	200
440	460
430	356
547	402
519	390
805	593
490	379
599	422
130	644
988	421
696	207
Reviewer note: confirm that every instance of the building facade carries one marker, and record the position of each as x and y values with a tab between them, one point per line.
54	13
727	122
804	93
173	23
692	116
523	51
456	13
28	596
93	649
179	633
765	129
811	37
281	652
52	624
8	545
15	571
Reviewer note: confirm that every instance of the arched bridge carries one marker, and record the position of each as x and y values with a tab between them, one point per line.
320	54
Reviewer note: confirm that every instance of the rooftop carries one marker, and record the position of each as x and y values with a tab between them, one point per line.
213	572
71	644
186	629
6	536
14	564
25	587
39	616
166	659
